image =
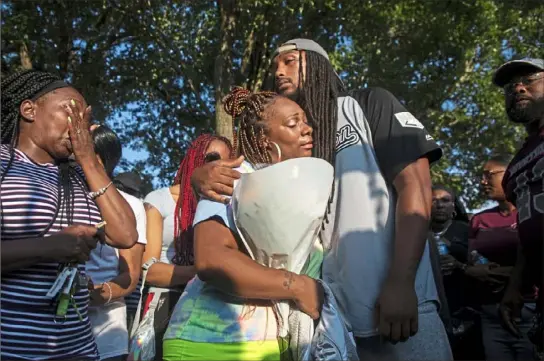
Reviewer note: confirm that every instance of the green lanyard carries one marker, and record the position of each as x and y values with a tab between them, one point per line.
66	295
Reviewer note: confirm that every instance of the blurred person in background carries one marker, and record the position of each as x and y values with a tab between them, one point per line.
493	245
449	235
115	273
131	183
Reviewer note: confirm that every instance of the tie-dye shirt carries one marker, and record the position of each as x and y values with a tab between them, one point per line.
206	314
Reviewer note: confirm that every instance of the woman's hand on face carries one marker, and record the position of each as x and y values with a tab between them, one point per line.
309	296
80	134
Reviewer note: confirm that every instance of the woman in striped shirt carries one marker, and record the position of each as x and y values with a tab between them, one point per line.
50	207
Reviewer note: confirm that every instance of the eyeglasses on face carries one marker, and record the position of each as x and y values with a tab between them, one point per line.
488	174
526	80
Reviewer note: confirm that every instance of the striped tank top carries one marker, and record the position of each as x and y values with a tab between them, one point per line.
29	197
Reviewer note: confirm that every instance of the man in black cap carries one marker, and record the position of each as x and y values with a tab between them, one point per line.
523	84
377	258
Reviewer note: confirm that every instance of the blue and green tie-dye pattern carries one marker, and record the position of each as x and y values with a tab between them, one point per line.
205	314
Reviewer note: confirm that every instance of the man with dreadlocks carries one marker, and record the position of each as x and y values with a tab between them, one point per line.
170	212
50	208
378	259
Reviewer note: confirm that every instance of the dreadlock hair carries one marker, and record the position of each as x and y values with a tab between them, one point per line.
33	85
185	210
318	92
248	108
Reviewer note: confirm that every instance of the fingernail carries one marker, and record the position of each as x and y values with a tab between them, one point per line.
69	119
73	102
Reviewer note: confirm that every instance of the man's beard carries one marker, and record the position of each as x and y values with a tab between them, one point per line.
294	96
531	112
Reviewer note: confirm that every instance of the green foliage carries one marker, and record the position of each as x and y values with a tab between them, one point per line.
155	70
438	57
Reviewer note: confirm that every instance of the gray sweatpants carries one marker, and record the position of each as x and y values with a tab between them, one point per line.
430	343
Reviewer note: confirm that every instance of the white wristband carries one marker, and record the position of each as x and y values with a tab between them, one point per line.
111	293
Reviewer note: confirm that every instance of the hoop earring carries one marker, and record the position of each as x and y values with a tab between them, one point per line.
278	149
453	214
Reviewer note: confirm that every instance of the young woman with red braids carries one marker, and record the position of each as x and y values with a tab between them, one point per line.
170	212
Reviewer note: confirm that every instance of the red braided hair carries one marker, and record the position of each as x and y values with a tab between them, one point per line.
184	213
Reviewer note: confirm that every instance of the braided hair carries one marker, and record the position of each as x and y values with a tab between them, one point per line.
185	210
318	94
16	88
248	109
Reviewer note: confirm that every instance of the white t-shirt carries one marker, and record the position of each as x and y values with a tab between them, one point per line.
376	138
109	322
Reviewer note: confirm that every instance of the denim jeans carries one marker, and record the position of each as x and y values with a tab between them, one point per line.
501	345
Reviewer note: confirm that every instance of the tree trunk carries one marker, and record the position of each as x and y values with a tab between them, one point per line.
223	62
24	55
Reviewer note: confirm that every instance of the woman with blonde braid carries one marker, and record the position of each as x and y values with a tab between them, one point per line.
227	311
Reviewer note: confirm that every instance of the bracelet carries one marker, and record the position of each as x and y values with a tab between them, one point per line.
463	267
99	192
111	294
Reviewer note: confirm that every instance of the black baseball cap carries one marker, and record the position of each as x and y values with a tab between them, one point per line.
507	70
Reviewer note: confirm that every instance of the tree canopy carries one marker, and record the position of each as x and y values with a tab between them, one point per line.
156	71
